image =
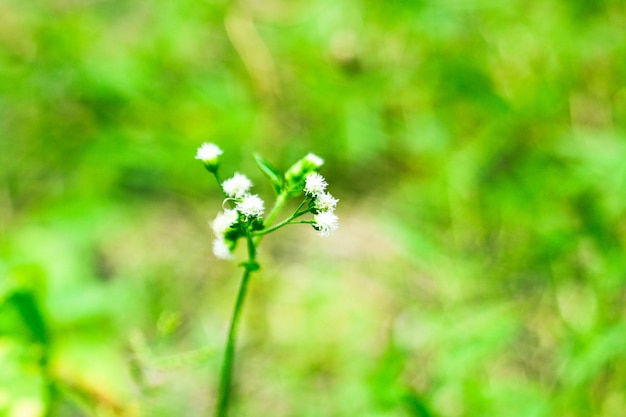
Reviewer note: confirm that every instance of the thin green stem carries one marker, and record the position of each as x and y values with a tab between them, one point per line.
229	354
281	200
251	249
271	229
219	183
297	212
285	222
282	224
301	213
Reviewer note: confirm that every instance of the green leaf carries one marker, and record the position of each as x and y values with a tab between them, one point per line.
270	172
416	406
27	306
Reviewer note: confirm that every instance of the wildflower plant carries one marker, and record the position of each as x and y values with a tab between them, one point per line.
242	220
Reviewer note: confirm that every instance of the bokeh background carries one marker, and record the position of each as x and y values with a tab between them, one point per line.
479	152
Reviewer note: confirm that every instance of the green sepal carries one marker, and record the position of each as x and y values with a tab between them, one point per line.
296	174
257	224
270	172
232	234
232	244
211	166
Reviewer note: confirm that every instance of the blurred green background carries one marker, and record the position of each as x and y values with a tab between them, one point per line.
479	152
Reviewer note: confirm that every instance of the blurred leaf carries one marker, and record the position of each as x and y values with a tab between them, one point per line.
31	315
599	353
416	406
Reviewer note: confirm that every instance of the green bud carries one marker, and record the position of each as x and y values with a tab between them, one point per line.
294	177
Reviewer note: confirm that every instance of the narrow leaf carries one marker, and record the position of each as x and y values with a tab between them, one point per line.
270	172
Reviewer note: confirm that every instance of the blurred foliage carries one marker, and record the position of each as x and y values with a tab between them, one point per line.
478	149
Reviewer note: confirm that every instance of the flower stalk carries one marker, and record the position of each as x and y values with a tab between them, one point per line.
226	375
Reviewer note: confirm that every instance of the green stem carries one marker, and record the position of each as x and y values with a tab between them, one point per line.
285	222
229	354
219	183
281	200
281	224
271	229
299	213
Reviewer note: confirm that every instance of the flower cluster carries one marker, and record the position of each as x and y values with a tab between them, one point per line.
243	211
325	220
229	225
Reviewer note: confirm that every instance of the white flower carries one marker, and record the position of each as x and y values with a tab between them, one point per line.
326	202
314	184
314	159
325	223
223	221
237	186
221	249
208	152
251	206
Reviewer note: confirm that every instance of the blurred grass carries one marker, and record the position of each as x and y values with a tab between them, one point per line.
478	151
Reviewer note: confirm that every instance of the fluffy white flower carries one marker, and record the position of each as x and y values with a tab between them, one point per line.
326	202
223	221
221	249
325	223
251	206
314	184
314	159
208	152
237	186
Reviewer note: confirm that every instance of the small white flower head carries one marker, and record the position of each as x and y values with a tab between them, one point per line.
209	153
314	184
221	249
326	202
325	223
223	221
237	186
251	206
314	159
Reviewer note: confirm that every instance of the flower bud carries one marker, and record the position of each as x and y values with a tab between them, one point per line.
209	154
251	206
325	202
314	184
237	186
294	177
